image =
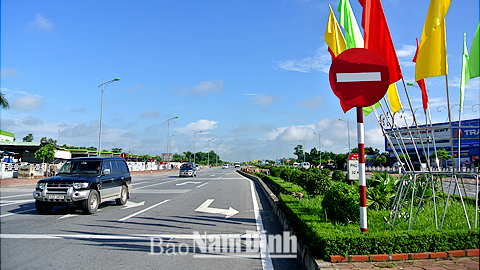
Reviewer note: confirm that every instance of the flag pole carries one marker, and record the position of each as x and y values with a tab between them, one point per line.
362	179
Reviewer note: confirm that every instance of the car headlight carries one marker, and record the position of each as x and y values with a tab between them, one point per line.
80	185
41	185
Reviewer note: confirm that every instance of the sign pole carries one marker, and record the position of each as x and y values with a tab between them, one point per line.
362	179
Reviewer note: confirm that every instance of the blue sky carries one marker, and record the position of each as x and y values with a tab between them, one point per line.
253	75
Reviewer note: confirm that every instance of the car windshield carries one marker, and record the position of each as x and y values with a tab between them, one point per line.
186	166
81	167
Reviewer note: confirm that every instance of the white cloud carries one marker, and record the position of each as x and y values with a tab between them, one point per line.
312	103
203	88
31	120
262	100
406	51
150	114
27	103
200	125
321	61
8	73
41	24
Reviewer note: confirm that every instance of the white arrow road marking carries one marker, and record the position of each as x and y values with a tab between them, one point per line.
184	183
144	210
131	204
359	77
202	185
205	209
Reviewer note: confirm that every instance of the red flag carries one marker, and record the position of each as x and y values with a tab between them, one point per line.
421	84
377	36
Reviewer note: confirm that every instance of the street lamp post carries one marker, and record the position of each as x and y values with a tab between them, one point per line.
103	85
208	154
194	142
216	155
168	139
348	126
319	148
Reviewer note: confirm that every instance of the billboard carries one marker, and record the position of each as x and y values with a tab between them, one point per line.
439	133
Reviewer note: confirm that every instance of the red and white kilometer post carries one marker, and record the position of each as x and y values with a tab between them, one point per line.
362	178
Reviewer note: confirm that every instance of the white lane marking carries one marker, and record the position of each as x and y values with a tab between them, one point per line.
188	182
202	185
67	216
204	208
266	259
161	191
119	236
5	203
134	184
142	211
131	204
359	77
19	212
156	184
12	196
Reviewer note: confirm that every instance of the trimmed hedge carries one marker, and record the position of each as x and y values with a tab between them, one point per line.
324	240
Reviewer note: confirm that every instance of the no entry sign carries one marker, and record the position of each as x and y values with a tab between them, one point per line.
359	77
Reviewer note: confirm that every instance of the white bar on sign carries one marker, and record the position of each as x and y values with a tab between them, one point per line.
359	77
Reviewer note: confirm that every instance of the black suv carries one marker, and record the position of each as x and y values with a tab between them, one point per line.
84	182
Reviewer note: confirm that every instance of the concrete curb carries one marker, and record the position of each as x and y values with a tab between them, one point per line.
406	256
308	261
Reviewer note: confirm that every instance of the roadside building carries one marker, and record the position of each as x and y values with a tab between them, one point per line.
437	136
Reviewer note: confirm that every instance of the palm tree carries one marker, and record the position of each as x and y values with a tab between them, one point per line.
4	102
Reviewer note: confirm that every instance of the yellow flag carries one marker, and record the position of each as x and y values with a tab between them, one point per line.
333	35
432	53
393	98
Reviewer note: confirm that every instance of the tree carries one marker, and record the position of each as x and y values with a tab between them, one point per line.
442	154
28	138
4	102
45	153
49	140
117	150
298	152
381	159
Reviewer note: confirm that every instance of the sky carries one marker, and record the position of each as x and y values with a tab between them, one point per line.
252	76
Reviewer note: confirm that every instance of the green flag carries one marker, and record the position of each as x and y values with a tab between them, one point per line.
465	70
353	36
473	63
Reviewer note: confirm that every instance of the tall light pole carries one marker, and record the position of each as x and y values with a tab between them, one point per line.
348	125
208	154
319	148
103	85
168	139
216	154
194	142
168	155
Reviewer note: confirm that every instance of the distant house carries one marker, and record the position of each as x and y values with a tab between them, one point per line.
6	136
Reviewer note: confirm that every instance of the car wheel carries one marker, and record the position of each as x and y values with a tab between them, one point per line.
123	196
43	208
90	205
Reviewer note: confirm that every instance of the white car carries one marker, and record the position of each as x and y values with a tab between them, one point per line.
225	166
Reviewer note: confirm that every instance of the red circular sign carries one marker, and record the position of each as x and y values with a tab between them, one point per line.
123	155
359	77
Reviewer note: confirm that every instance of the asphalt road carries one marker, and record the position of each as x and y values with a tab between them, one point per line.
210	221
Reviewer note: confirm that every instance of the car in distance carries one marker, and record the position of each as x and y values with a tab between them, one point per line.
188	169
86	183
237	164
225	166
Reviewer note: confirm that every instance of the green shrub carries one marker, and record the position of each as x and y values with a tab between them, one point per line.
341	202
338	176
